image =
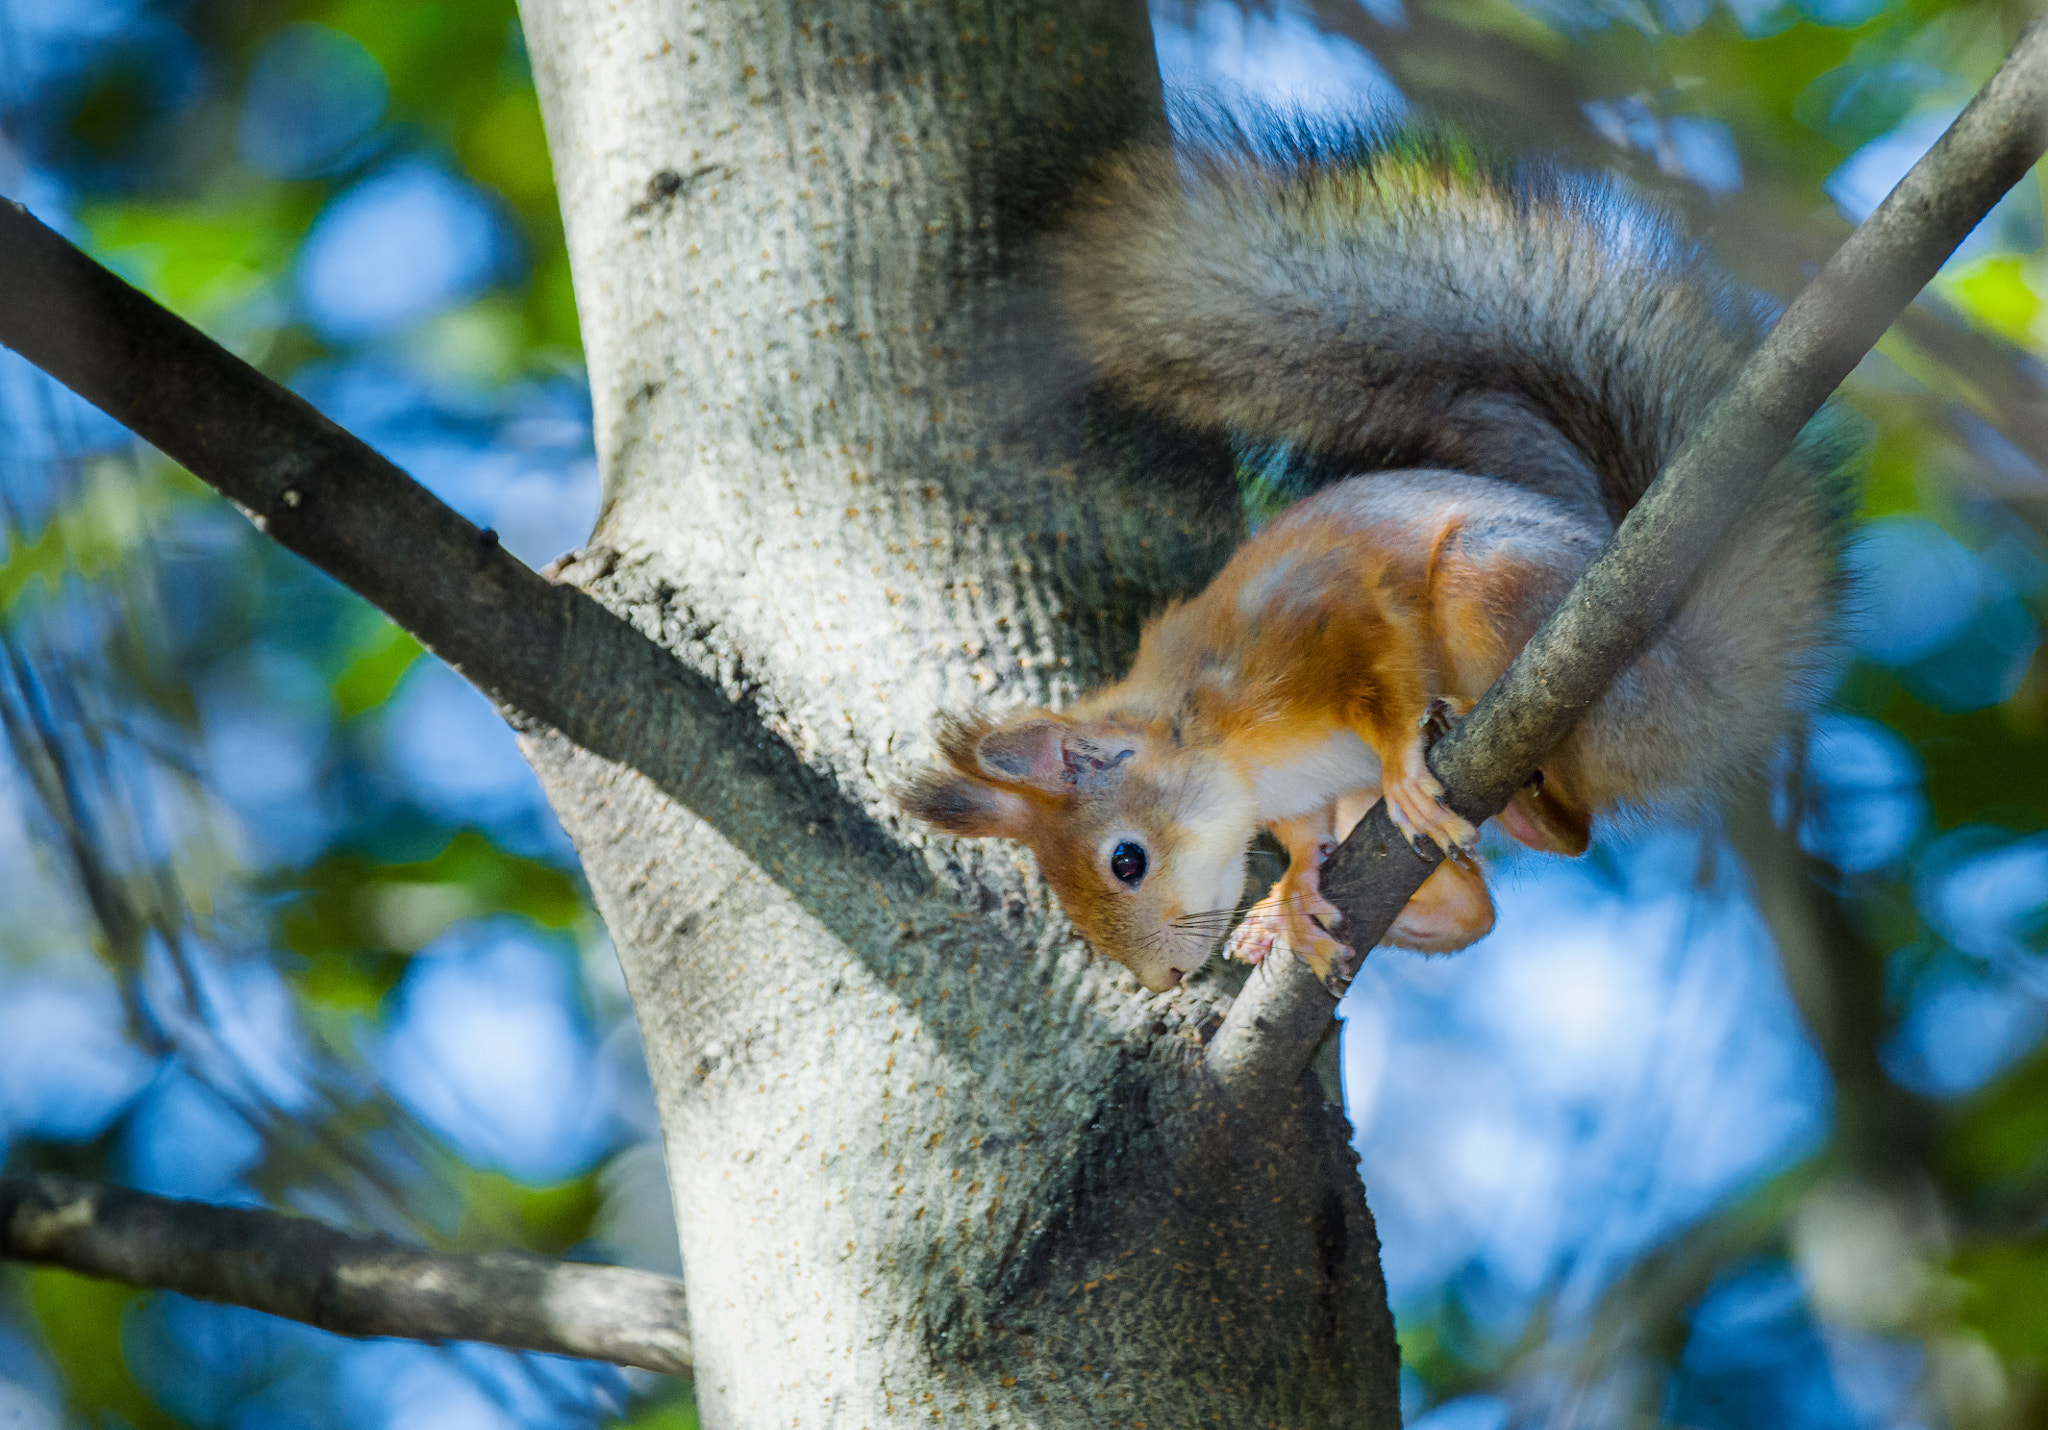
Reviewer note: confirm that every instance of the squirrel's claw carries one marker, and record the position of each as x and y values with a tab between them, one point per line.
1343	967
1438	721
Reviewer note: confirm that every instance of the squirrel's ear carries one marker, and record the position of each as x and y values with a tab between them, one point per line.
1054	754
1028	752
968	807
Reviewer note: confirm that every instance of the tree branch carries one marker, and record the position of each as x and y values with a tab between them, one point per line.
547	654
1630	588
308	1271
1529	85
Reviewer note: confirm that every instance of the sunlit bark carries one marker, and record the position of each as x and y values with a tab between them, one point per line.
929	1156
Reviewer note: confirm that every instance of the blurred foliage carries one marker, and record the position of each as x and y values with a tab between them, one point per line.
81	1323
206	234
679	1413
206	736
373	671
497	1211
143	625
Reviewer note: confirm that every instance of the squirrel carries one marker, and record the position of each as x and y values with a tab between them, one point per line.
1506	353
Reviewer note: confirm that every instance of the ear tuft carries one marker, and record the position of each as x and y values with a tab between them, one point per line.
963	805
959	734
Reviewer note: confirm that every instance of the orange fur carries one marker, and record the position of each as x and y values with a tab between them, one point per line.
1291	694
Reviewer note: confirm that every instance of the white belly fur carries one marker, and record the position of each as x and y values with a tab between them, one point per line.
1316	776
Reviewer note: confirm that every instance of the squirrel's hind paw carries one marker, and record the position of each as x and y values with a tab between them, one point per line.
1333	964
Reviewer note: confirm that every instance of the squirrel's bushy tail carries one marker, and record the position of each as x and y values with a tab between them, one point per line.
1387	298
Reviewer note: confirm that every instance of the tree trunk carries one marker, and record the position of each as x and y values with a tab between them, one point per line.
930	1157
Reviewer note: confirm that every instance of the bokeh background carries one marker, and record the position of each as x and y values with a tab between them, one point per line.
1693	1139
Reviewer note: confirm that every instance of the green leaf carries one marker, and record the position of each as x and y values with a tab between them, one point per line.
355	921
97	534
1998	1145
81	1320
498	1211
677	1412
374	671
2000	292
504	145
205	259
551	307
1983	766
2005	1297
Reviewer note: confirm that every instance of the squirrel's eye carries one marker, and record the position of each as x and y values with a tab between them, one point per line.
1127	862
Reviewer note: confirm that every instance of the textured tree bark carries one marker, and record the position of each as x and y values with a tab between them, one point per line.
931	1159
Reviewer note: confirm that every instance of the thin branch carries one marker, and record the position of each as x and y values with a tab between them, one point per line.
308	1271
1527	84
1630	588
547	654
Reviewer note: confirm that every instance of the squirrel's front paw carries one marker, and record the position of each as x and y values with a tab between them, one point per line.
1287	919
1253	939
1415	801
1439	720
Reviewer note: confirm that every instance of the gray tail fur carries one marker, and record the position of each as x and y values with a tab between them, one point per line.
1385	298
